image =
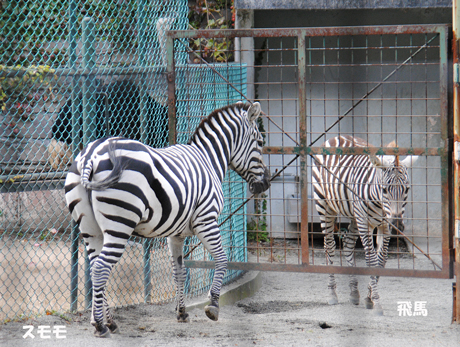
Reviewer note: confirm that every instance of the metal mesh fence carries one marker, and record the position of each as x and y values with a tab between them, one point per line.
70	72
381	84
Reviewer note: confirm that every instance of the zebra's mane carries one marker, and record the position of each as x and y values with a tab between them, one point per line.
239	106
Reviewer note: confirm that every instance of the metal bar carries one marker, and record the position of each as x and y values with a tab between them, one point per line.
88	118
171	74
99	70
74	234
316	31
302	79
141	52
436	151
33	186
456	159
89	114
147	246
446	159
88	282
326	269
10	179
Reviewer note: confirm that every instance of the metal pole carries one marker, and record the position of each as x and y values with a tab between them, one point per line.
89	92
147	244
74	232
89	118
302	66
74	267
170	70
456	161
147	271
141	43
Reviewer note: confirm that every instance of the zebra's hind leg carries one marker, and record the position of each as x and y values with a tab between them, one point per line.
349	243
100	271
211	240
93	237
176	245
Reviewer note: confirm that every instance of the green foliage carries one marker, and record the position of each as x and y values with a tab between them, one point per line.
212	15
21	88
29	30
26	24
257	227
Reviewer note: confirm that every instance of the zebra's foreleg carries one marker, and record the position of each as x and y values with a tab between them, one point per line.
383	240
211	239
349	243
372	301
327	225
176	245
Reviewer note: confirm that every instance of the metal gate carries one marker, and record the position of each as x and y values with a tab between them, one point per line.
382	84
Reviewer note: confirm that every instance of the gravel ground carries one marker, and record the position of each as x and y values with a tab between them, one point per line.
289	310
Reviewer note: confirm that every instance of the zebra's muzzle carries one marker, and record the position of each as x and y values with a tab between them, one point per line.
257	187
398	223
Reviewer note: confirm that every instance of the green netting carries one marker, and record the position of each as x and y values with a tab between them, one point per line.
71	72
201	90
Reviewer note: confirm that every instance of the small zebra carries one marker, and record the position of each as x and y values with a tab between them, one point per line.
372	190
118	187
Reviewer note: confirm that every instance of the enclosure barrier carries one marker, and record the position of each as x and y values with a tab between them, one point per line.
383	84
70	72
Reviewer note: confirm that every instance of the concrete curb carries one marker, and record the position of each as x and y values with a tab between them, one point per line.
244	287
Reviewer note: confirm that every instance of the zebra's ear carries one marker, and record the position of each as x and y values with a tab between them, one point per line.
382	161
254	111
409	160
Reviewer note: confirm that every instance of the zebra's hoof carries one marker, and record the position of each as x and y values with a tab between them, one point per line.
183	318
212	312
368	303
333	299
102	331
354	298
378	310
113	327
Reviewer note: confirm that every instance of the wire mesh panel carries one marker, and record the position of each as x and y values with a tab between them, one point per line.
71	72
384	85
200	89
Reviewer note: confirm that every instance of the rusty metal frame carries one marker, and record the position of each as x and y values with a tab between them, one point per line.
303	150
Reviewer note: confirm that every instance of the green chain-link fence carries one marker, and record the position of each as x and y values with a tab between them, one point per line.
72	71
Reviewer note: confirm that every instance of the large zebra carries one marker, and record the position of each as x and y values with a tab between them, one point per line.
371	191
118	187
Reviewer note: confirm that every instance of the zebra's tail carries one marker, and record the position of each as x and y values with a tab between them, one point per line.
113	177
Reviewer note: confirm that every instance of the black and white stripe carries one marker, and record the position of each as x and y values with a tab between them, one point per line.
119	187
372	192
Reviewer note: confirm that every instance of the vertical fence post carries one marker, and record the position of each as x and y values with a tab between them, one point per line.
74	267
456	159
147	271
141	43
74	228
147	244
302	68
170	70
89	117
89	91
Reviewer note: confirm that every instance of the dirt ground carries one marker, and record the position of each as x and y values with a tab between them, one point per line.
288	310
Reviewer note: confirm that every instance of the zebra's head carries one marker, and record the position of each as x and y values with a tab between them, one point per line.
393	186
247	159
